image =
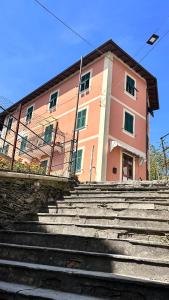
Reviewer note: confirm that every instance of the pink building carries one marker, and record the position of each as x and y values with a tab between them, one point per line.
116	96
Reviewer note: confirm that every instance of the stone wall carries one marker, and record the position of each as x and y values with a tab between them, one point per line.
22	195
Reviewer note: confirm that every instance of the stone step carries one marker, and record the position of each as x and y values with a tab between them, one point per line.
112	204
135	221
142	212
115	246
153	269
164	194
91	283
96	230
22	291
108	187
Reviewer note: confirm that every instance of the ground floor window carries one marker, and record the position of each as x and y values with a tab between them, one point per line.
77	160
44	165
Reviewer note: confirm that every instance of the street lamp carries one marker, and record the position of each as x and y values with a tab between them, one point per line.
152	39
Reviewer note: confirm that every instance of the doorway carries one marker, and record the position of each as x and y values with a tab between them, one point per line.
127	167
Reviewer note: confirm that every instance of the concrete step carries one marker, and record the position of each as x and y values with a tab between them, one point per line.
114	204
128	247
163	194
96	230
109	187
141	211
100	197
21	291
84	282
153	269
135	221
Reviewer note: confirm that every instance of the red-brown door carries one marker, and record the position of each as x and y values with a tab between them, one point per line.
127	167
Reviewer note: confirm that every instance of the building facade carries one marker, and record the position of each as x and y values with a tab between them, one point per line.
116	97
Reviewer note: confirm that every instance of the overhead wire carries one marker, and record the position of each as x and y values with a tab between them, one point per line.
91	44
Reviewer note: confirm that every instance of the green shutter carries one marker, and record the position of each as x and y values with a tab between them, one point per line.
23	143
128	126
78	158
130	85
81	119
9	125
53	100
29	114
48	134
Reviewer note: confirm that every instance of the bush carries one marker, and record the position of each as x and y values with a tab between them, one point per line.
20	166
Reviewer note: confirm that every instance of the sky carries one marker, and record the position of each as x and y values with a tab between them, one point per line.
34	47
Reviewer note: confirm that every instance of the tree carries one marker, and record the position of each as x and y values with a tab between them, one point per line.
156	163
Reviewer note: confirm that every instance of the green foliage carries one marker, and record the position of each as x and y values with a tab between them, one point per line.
156	163
20	166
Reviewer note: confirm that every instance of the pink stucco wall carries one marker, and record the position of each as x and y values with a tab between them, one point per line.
121	101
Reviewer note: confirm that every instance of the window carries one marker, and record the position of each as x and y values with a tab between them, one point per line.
81	119
53	100
23	144
9	125
85	80
29	114
130	85
44	165
48	134
5	149
129	122
77	160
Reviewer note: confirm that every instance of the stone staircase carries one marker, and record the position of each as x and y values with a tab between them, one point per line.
104	241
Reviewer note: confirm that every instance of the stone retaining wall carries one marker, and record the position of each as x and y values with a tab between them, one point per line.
23	194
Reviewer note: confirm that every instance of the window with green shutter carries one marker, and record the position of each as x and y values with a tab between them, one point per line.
129	122
23	144
53	100
130	85
85	81
44	165
81	119
77	160
6	149
48	133
9	125
29	114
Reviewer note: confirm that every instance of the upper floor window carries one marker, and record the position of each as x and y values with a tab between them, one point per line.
53	100
129	122
130	86
23	144
9	124
48	133
81	119
85	82
29	114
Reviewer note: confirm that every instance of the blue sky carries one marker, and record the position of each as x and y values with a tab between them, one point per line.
35	48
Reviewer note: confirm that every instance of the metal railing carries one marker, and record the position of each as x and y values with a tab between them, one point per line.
57	152
165	148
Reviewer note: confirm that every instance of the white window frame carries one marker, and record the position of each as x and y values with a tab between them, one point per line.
125	82
125	131
86	121
90	82
53	108
28	122
82	163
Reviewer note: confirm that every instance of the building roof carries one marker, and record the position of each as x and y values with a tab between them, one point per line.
108	46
